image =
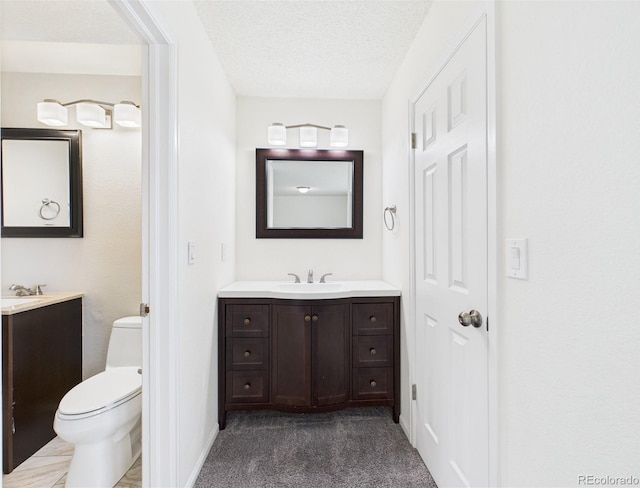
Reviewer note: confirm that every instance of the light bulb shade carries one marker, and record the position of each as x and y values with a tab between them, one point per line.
339	136
277	134
126	114
308	136
52	113
91	115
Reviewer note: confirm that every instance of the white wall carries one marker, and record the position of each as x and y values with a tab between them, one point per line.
105	264
568	139
206	173
272	259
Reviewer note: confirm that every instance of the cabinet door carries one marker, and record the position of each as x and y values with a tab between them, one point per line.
330	354
291	349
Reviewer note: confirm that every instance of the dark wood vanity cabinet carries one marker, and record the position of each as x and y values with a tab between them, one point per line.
41	362
308	355
310	365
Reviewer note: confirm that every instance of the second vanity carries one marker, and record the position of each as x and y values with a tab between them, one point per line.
41	361
308	347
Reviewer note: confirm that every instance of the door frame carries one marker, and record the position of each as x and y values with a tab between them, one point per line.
487	12
160	356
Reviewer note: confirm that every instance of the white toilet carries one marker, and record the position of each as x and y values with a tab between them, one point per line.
101	416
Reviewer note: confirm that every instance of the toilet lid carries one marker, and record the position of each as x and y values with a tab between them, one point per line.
102	390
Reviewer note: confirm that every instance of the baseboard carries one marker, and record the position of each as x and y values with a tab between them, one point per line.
202	458
405	427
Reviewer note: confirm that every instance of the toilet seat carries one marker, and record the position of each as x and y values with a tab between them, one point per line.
100	393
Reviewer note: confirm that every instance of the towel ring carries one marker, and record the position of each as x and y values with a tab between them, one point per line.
46	205
392	212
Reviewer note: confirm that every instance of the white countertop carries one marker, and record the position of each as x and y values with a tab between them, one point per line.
14	304
308	291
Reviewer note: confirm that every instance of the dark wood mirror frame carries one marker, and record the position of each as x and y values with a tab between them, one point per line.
264	155
74	138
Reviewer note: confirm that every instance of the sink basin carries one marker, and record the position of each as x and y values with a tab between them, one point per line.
310	287
15	301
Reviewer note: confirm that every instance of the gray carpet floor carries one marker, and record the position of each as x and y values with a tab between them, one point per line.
353	448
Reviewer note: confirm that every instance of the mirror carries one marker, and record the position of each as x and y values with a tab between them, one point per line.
41	183
309	193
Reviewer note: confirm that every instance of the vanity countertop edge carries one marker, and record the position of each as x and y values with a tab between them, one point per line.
38	301
270	289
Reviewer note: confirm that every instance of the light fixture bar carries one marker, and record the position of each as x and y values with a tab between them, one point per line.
277	134
92	113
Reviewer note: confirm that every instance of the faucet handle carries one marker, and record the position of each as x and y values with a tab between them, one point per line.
297	278
37	289
322	278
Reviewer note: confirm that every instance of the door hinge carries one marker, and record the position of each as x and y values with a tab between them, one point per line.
144	309
414	138
487	324
414	392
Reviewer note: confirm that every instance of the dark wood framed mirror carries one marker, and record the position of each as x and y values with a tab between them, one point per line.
309	193
41	183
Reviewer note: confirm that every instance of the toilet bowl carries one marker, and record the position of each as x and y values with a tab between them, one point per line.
101	416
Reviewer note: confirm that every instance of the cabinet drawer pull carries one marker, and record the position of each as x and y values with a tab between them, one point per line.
247	386
373	351
307	318
246	321
247	354
373	383
373	319
314	318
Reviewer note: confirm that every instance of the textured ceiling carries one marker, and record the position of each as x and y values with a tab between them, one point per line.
309	48
79	21
271	48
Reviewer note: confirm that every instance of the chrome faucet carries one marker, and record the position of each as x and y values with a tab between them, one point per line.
21	291
310	276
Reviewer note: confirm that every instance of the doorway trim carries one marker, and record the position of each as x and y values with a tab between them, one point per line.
489	12
160	408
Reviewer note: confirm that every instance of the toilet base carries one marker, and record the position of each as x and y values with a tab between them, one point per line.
103	464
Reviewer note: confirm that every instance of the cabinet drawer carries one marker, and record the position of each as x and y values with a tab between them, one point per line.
248	354
375	351
247	320
372	383
372	318
247	387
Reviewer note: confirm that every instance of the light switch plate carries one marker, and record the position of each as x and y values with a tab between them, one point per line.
516	258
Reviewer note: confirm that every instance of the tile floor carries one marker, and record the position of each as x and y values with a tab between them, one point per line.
48	467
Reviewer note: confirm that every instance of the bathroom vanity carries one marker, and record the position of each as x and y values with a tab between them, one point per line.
41	361
300	347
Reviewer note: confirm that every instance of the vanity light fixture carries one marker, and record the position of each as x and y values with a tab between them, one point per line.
91	113
303	189
277	134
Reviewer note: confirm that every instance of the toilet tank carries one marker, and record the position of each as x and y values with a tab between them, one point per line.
125	343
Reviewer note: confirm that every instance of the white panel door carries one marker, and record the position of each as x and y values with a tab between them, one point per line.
451	268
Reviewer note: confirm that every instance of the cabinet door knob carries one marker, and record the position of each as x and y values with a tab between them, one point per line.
373	351
247	386
373	383
246	321
314	318
247	354
373	319
307	318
